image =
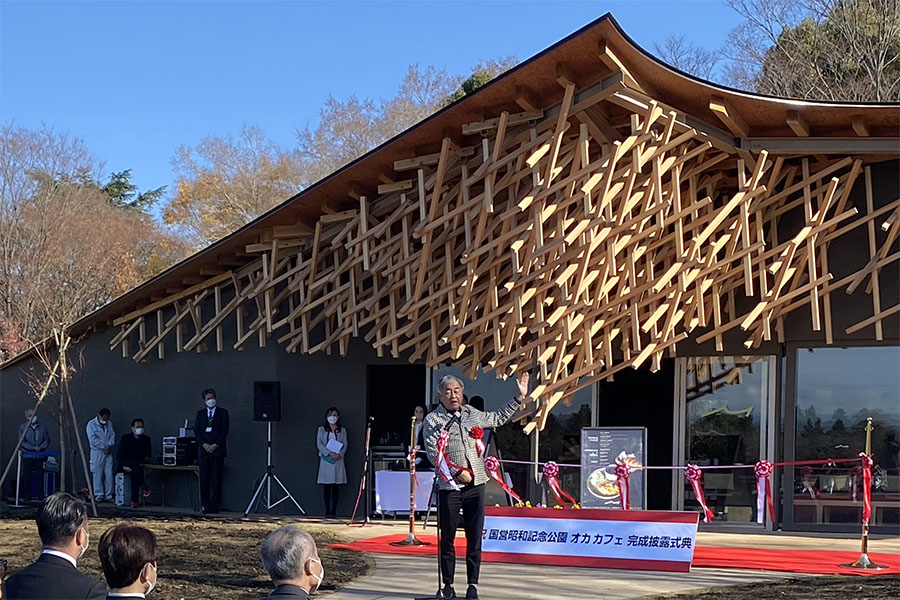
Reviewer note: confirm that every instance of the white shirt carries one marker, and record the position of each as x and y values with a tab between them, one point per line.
210	413
61	555
125	595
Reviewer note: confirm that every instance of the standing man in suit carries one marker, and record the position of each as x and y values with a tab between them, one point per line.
102	438
36	439
128	557
63	526
211	430
134	449
291	559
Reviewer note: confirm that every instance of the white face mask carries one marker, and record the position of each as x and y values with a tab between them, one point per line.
332	419
151	584
211	403
34	420
320	577
138	431
87	542
102	421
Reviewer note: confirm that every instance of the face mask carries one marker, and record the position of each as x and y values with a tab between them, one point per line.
102	421
211	403
87	542
320	577
152	584
34	420
138	431
332	419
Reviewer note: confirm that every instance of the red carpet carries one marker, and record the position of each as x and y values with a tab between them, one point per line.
817	562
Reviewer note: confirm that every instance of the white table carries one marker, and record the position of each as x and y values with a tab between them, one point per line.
392	491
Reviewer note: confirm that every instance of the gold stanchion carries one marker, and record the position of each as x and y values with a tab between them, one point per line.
411	539
863	562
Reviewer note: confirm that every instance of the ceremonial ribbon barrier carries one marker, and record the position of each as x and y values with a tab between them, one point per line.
763	471
443	463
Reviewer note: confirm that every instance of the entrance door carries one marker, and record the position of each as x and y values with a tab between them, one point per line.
726	417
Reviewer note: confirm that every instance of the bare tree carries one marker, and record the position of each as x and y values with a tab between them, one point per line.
687	56
817	49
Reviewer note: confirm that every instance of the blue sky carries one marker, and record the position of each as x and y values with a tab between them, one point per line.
137	79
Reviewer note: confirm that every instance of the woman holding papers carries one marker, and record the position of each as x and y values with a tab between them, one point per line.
331	442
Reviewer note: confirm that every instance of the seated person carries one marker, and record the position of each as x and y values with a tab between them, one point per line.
290	557
63	527
134	449
128	557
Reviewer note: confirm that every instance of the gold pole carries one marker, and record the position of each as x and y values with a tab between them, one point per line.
411	539
863	562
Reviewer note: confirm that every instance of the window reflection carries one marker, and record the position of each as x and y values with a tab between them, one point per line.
725	403
837	390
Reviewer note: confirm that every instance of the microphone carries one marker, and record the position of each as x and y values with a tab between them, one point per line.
456	417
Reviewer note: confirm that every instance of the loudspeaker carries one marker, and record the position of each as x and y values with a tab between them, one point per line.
266	400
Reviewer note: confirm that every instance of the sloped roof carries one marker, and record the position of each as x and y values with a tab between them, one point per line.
534	79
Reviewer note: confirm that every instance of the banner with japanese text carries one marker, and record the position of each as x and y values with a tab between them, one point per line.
618	539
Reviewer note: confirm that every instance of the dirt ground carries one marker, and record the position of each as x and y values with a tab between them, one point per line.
874	587
216	559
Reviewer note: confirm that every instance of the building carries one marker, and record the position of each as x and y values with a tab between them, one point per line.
717	266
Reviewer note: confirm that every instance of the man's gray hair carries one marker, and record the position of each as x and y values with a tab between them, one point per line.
447	380
285	551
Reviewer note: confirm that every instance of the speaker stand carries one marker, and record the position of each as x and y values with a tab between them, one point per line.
267	480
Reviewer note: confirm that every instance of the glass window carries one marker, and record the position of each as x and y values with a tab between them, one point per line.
560	440
837	390
726	401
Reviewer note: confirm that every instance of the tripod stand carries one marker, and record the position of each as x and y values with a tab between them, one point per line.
267	481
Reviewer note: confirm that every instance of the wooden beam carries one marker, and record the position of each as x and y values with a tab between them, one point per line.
526	100
729	117
860	127
172	299
797	124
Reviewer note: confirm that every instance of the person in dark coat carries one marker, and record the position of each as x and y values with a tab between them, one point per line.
211	430
63	526
35	438
291	559
128	557
134	448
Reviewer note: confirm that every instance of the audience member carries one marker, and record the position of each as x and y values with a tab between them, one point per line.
63	527
290	557
128	557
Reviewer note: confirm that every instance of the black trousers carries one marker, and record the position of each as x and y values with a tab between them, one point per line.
137	481
211	466
471	500
331	498
29	466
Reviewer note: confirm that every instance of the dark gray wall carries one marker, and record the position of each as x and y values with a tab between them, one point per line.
165	392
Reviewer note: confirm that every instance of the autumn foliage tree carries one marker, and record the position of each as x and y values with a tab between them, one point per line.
66	248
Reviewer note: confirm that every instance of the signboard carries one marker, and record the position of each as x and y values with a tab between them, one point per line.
612	539
600	447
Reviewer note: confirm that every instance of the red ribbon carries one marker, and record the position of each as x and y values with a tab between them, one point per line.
477	433
763	471
443	462
492	466
695	476
551	471
622	473
867	486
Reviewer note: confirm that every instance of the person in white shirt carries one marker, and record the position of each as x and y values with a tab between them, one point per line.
128	557
102	438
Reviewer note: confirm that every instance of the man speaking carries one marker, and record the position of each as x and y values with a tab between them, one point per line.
463	479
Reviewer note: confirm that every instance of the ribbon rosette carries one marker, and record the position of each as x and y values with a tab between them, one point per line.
867	463
695	476
623	471
763	471
477	433
492	466
551	472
